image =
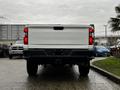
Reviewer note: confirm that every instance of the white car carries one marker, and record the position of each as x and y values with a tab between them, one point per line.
16	49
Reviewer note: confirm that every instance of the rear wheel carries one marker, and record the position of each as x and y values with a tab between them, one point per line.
84	68
31	68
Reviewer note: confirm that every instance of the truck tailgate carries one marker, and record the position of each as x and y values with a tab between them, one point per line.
58	35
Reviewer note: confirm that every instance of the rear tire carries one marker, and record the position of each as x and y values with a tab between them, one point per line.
31	68
84	68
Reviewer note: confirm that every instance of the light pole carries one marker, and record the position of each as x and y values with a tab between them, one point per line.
105	26
2	18
105	31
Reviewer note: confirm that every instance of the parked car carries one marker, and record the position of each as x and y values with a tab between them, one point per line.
115	50
0	50
16	49
101	51
4	50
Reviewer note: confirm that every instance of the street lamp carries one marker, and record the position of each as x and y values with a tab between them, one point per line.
105	31
106	37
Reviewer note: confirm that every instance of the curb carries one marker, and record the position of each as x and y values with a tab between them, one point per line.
109	75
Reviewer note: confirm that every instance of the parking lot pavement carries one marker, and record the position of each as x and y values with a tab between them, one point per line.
13	76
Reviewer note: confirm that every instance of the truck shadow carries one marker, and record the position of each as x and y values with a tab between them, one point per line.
58	78
59	73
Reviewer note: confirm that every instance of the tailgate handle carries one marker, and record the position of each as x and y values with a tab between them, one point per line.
58	28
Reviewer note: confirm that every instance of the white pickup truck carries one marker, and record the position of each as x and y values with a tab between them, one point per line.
58	44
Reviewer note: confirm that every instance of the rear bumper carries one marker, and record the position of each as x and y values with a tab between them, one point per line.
49	56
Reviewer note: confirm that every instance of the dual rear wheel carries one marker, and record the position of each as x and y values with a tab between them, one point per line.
84	68
32	68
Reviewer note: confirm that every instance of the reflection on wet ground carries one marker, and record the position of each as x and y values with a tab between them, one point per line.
13	76
57	78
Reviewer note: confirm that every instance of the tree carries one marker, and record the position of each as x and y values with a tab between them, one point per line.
115	22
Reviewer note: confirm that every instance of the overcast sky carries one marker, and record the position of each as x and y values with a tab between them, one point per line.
97	12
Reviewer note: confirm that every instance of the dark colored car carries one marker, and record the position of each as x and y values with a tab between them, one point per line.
101	51
3	50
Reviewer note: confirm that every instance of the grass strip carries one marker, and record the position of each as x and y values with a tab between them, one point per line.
110	64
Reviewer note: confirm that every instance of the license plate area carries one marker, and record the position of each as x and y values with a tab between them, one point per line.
57	52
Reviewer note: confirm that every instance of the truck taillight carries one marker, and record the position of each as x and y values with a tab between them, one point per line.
26	36
91	36
26	30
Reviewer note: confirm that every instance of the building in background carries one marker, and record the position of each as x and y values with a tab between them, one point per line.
109	40
11	31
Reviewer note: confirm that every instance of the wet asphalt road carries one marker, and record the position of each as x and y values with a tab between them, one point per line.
13	76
